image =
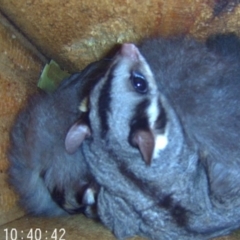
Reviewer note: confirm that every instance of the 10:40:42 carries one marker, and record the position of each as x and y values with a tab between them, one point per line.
34	234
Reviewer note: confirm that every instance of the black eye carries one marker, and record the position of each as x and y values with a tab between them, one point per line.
139	82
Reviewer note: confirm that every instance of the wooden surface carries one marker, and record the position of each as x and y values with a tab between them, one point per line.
72	228
74	33
19	70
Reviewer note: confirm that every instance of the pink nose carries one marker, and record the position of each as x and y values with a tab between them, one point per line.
129	50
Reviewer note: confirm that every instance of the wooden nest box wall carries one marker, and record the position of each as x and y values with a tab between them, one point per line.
75	33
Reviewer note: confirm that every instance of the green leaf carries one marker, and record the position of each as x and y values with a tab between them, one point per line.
51	77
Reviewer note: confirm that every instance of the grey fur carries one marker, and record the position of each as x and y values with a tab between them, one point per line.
191	189
49	180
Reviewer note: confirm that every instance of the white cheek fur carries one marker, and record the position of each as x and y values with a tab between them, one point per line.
153	112
161	140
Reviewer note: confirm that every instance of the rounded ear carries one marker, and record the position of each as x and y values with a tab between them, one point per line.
145	141
76	135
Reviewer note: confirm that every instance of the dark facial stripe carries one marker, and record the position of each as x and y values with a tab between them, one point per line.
139	120
58	196
104	103
162	118
80	193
